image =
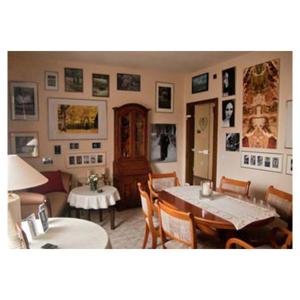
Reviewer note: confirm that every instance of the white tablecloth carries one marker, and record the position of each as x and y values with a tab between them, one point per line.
71	233
83	197
238	212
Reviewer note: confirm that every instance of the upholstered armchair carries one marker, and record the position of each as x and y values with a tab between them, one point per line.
54	194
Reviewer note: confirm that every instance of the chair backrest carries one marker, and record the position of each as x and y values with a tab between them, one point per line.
147	206
161	181
234	187
176	225
281	201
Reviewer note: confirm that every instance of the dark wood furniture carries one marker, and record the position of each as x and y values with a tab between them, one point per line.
130	164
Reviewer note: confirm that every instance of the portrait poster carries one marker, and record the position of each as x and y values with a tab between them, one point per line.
228	77
164	97
77	119
232	142
260	105
163	143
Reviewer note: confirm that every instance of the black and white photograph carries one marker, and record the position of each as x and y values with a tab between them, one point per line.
71	160
51	80
246	159
78	160
57	149
163	143
93	159
267	162
289	164
24	144
85	160
200	83
43	217
228	78
24	100
232	142
260	160
164	97
128	82
99	159
228	113
275	162
253	160
73	80
100	85
74	146
96	145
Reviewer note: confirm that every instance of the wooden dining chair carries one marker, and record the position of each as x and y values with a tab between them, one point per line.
282	202
234	187
280	238
152	223
177	226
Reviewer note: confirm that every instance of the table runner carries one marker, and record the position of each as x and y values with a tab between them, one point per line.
238	212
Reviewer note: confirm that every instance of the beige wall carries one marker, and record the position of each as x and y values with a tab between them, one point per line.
229	162
28	68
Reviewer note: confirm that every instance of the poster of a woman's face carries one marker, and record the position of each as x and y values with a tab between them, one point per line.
228	77
228	113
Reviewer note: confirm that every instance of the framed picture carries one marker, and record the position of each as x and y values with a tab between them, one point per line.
24	144
43	217
200	83
77	119
24	100
262	161
73	80
74	146
289	125
228	79
289	164
51	80
86	160
232	142
100	85
163	143
128	82
228	113
57	149
164	97
96	145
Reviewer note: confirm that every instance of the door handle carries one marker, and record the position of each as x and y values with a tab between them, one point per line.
205	152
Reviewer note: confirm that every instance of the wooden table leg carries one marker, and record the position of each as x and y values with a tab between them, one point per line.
112	216
100	215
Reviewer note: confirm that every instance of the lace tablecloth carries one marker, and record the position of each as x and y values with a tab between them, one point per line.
238	212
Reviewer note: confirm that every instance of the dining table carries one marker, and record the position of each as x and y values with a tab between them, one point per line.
218	211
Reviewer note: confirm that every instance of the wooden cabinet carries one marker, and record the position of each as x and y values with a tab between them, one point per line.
131	152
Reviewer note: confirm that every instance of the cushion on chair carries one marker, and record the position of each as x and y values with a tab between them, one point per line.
282	206
172	244
162	183
54	183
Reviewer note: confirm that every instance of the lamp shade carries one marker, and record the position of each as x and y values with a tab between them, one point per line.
21	175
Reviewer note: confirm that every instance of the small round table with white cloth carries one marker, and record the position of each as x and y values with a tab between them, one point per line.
83	198
70	233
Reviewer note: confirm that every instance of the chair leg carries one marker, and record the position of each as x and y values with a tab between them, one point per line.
154	240
146	237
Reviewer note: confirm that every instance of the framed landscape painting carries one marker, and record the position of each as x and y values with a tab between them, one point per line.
73	80
100	85
77	119
24	100
200	83
128	82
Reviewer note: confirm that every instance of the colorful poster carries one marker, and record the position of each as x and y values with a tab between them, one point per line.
260	105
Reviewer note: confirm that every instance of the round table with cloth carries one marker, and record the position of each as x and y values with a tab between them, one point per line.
70	233
83	198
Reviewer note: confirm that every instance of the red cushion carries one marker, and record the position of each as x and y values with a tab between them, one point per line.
54	183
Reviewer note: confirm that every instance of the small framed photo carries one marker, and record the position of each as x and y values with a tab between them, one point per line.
73	80
32	226
96	145
289	164
100	85
85	160
43	217
164	97
24	144
128	82
228	113
262	161
51	80
200	83
228	77
57	149
73	146
24	100
72	161
232	142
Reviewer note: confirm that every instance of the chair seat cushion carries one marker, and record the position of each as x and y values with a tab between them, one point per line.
175	245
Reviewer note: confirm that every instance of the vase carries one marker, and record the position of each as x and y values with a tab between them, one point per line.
93	186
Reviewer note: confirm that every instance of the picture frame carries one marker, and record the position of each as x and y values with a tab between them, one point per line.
228	82
200	83
232	142
100	85
228	113
33	229
128	82
289	164
24	144
51	80
86	160
289	125
164	97
262	161
57	149
71	119
96	145
43	217
24	100
73	146
73	80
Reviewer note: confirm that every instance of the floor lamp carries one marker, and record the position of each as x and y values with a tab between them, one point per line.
20	176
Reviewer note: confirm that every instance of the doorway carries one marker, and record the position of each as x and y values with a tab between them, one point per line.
201	147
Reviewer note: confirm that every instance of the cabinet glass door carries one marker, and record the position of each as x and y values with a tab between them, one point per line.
139	134
125	136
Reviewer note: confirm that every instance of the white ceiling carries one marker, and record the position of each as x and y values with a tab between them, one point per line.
173	61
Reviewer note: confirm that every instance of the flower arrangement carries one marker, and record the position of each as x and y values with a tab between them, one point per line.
93	181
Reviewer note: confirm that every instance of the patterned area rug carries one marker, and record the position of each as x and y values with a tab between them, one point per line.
129	230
